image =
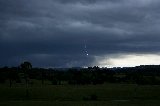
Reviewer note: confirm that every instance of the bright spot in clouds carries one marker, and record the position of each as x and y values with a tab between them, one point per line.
130	60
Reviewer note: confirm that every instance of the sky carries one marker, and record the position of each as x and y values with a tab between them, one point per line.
79	33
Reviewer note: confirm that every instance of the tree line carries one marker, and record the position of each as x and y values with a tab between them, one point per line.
146	74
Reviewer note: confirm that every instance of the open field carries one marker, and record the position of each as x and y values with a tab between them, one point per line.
80	103
81	95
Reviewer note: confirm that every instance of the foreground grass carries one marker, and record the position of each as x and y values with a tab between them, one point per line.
78	95
80	103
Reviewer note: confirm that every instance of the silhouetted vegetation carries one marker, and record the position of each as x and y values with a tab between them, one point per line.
142	75
110	85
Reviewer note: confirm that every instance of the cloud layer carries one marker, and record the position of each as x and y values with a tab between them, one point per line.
53	33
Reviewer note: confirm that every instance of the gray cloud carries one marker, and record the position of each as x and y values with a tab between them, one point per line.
52	32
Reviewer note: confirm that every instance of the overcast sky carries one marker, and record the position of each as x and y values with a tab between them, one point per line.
72	33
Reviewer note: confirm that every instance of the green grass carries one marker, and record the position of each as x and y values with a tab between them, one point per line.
74	95
79	103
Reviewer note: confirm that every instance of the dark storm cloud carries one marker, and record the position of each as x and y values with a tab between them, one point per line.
52	33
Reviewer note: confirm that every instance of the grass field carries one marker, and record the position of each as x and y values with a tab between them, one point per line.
81	95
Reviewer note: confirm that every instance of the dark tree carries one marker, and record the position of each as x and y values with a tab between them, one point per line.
26	67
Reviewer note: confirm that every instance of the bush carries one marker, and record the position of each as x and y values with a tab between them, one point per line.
54	82
93	97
